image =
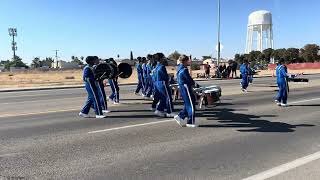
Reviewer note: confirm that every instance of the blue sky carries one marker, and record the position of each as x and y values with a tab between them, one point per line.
110	27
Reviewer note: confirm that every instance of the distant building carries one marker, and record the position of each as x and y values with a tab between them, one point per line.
64	65
2	69
17	69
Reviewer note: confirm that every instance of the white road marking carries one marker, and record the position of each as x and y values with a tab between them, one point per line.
10	154
307	100
285	167
130	126
37	113
43	100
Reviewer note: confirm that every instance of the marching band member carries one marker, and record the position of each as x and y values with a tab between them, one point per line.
186	82
102	94
245	76
145	76
282	95
162	88
155	94
92	90
149	83
114	97
140	85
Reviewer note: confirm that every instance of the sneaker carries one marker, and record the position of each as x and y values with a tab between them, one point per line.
276	101
160	114
243	90
153	109
279	104
137	94
100	116
81	114
108	99
171	115
192	125
116	103
106	111
284	105
179	120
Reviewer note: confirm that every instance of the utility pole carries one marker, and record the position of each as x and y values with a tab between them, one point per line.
13	33
218	59
56	63
56	55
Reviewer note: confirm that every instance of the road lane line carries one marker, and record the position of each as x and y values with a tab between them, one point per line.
42	100
130	126
285	167
307	100
36	113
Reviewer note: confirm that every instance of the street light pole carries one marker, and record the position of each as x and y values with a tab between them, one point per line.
13	33
218	59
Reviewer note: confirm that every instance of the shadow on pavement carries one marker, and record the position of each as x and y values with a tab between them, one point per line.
305	105
231	119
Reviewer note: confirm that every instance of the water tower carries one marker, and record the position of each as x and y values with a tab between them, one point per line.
259	33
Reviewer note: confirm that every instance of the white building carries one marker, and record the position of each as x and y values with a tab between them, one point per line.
64	65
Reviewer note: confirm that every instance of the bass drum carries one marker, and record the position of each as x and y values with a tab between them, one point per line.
124	70
103	71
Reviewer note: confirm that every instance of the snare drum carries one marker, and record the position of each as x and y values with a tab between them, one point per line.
211	96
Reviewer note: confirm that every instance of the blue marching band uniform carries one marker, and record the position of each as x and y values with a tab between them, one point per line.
163	91
185	83
154	82
93	99
114	97
140	85
244	70
282	96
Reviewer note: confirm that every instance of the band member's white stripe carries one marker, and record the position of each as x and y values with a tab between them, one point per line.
168	97
116	92
104	102
192	116
95	98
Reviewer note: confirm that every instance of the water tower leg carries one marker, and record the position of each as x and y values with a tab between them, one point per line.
247	41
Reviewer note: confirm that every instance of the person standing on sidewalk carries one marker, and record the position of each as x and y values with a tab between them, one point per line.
207	70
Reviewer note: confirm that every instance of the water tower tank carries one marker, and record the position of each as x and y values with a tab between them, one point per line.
259	32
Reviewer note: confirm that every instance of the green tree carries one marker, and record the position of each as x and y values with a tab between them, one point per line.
292	55
47	62
17	62
206	57
174	56
278	54
36	63
268	54
76	60
310	53
237	57
253	56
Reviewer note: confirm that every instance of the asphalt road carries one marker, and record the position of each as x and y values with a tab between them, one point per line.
41	137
